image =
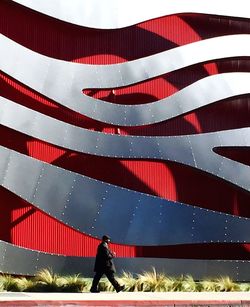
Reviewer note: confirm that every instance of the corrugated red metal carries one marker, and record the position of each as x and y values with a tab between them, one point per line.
26	226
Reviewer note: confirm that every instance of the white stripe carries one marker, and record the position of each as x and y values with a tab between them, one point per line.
113	14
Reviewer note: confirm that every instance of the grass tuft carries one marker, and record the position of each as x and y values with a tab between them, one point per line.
47	281
226	284
189	285
244	287
129	281
9	283
207	285
152	281
75	284
25	284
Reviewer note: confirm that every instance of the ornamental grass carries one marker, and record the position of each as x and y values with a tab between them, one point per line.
152	281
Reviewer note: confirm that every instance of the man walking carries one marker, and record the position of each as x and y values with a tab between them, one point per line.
104	265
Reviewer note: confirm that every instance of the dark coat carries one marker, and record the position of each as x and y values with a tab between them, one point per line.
103	260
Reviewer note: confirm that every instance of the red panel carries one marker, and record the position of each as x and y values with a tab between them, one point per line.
24	225
240	154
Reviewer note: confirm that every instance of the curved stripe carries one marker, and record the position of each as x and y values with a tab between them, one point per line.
193	150
63	81
113	14
30	261
91	206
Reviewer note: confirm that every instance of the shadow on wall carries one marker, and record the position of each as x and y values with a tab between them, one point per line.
54	38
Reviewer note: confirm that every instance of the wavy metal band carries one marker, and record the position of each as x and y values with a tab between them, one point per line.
31	261
63	81
91	206
192	150
113	14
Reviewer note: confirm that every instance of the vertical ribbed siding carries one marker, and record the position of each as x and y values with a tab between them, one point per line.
34	229
29	227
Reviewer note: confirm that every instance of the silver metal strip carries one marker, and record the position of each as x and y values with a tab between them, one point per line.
130	217
193	150
63	81
113	14
31	261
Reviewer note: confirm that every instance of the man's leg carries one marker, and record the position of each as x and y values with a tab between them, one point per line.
114	282
97	277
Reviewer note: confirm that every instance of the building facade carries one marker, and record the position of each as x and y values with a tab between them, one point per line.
130	120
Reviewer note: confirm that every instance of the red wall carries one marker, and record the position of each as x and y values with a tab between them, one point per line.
24	225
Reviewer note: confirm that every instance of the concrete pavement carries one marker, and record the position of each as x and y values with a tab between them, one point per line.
126	299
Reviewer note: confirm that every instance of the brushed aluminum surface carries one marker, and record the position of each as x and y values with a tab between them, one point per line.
64	81
95	207
193	150
238	270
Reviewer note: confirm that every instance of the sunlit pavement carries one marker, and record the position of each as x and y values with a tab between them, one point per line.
126	299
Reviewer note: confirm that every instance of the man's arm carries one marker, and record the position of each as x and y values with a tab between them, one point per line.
106	252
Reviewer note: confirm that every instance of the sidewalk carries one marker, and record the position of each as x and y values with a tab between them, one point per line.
126	299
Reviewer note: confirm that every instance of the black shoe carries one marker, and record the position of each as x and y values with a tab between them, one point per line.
94	291
121	288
